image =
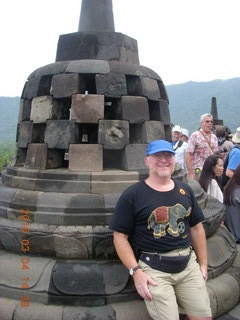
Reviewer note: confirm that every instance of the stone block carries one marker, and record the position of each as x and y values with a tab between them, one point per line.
143	86
60	133
133	109
31	88
38	311
88	66
97	313
132	70
65	85
36	156
164	112
7	308
20	157
113	134
50	69
24	110
77	277
111	85
163	91
150	88
219	288
25	134
146	132
133	157
87	108
45	108
85	157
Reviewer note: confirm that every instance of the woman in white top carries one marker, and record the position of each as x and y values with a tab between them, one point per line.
210	176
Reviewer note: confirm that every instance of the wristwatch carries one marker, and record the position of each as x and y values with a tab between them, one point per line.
131	271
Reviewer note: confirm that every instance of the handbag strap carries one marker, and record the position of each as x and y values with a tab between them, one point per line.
208	142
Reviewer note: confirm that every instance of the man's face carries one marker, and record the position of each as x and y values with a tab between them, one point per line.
207	124
161	164
175	136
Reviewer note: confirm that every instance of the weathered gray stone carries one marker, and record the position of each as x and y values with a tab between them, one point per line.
164	112
85	157
113	134
143	86
65	85
50	69
20	157
24	110
25	134
88	66
111	85
96	313
87	108
60	133
36	156
163	91
131	310
221	287
133	109
38	311
31	88
44	108
133	156
115	276
132	69
146	132
7	308
76	277
70	248
221	253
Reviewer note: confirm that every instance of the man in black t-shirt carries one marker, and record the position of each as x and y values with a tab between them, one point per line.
156	223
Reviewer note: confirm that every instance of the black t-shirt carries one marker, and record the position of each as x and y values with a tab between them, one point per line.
157	221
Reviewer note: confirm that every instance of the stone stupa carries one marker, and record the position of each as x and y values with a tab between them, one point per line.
84	123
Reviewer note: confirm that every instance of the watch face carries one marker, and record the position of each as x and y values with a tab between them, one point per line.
131	272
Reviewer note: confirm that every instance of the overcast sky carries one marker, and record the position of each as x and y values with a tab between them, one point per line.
181	40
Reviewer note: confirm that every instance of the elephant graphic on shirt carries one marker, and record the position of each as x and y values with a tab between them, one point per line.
164	219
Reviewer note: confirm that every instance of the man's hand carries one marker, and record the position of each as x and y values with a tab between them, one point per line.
142	281
204	271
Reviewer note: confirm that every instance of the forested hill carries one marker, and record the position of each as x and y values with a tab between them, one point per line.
187	102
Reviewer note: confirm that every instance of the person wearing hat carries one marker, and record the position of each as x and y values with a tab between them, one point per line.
234	155
201	145
156	223
179	146
184	135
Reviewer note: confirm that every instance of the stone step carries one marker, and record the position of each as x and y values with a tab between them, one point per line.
61	180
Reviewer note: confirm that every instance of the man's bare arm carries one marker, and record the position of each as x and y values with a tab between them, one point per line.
126	255
188	161
199	244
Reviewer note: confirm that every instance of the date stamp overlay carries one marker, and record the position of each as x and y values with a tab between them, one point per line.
25	261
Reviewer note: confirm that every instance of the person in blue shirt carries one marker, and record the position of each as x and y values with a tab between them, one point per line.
234	155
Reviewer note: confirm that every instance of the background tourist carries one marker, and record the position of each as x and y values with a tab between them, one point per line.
179	146
210	176
185	135
201	144
234	155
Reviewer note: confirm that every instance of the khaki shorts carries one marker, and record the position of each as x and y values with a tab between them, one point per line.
186	288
